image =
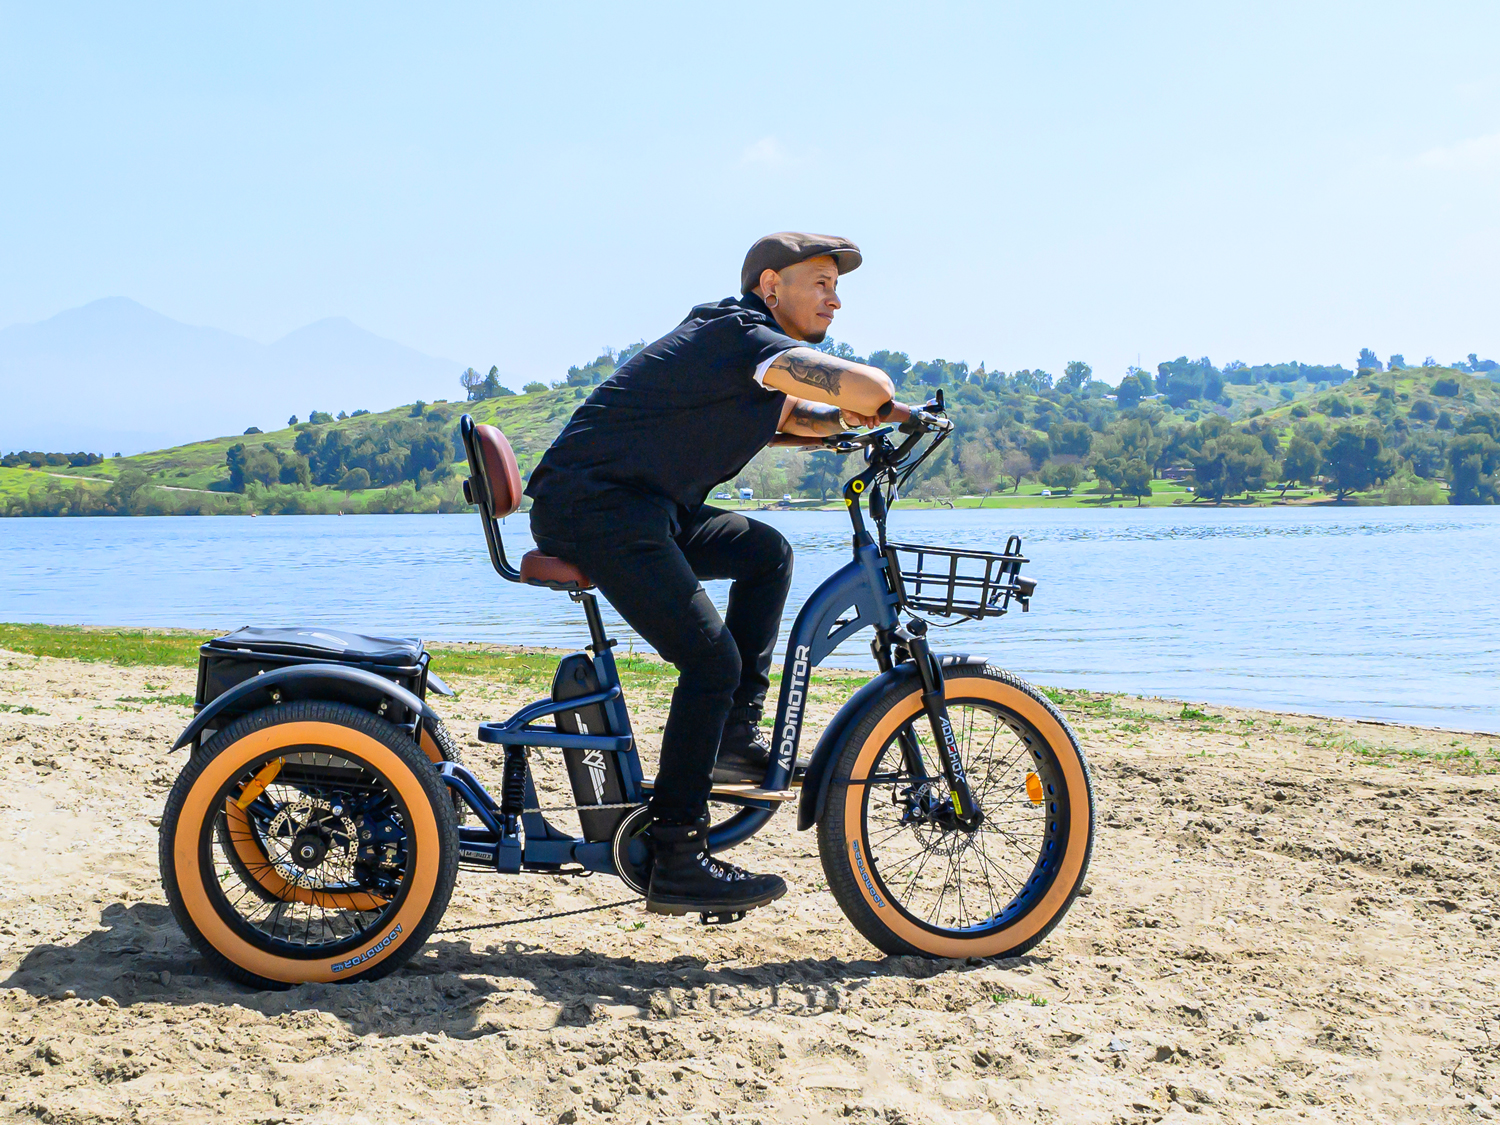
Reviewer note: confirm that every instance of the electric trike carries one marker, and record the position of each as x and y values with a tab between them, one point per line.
318	827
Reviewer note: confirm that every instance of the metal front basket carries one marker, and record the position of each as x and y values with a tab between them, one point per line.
955	583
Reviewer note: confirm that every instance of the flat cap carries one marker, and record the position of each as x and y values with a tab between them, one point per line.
788	247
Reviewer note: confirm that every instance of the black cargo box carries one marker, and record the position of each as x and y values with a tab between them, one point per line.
244	654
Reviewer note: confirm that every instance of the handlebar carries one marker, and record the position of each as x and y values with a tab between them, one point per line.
909	420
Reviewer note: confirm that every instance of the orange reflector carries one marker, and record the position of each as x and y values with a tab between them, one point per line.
1034	789
258	783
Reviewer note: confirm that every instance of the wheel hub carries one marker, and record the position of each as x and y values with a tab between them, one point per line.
308	849
930	803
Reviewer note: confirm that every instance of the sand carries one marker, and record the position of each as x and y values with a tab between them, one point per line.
1288	919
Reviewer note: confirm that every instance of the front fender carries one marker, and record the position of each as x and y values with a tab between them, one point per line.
820	768
337	682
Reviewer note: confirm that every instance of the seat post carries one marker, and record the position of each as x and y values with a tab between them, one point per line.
601	643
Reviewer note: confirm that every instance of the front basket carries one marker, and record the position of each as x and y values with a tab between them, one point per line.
956	583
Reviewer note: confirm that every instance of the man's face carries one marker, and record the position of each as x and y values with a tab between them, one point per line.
806	297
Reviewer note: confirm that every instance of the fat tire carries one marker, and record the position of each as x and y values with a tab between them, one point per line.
835	832
411	772
449	751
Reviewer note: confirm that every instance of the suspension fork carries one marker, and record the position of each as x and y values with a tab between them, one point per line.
880	647
965	811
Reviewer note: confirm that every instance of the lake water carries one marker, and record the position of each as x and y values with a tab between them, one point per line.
1383	613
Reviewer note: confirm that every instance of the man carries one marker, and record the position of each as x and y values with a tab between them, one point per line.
620	494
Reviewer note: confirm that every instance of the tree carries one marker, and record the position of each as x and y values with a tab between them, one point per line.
1040	450
320	417
1181	381
251	430
1356	458
1017	465
533	388
1137	480
1397	362
981	466
1300	465
1110	472
894	364
822	473
1368	361
1066	475
1075	377
355	480
1130	394
1474	477
292	421
1228	465
122	493
493	388
1073	439
473	383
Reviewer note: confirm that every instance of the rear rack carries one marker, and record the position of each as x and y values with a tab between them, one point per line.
957	583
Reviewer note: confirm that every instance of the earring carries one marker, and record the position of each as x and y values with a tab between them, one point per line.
772	300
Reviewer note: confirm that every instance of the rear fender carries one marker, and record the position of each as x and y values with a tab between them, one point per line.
820	769
336	683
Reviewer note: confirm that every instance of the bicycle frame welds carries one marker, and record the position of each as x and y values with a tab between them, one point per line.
865	592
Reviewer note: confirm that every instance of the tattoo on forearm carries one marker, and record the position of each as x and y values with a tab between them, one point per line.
816	414
815	371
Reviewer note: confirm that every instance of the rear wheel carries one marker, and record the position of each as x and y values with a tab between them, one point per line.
308	842
912	880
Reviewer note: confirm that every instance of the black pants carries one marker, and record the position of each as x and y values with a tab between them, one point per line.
651	577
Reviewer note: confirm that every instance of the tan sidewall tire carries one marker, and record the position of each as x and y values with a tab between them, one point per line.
431	880
1009	694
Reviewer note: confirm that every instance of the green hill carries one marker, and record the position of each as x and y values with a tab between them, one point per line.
1415	435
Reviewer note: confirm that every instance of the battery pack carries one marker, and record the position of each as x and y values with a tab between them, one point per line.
594	774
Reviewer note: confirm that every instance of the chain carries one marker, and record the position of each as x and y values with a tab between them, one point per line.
539	917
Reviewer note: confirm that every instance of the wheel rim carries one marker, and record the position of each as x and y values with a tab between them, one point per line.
939	877
323	851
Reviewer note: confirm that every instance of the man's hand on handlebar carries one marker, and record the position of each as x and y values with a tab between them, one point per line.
854	420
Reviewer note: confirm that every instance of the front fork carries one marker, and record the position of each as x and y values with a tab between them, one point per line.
913	638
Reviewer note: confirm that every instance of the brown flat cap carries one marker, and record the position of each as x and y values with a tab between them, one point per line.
788	247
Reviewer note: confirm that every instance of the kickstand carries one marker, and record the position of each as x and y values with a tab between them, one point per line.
721	917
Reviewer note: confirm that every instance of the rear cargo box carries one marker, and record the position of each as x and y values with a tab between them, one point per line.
231	659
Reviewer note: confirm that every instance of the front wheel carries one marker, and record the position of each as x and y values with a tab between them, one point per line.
913	880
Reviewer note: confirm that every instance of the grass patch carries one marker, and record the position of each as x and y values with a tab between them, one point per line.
130	647
181	699
1195	714
24	709
1457	755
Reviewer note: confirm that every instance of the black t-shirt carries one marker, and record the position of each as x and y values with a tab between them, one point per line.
679	417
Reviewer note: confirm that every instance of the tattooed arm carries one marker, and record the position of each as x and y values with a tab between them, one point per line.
808	374
812	419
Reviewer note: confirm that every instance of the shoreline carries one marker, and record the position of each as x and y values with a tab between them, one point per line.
71	641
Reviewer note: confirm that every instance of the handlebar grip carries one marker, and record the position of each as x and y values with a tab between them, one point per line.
894	411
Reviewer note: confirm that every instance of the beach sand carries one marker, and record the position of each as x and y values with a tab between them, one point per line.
1287	919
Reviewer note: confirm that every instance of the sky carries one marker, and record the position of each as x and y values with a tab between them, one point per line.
521	184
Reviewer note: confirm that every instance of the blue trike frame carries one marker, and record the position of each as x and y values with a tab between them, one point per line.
866	592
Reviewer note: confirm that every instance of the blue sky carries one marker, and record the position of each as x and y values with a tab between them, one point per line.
521	184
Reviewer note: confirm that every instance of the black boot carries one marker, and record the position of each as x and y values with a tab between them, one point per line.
744	753
685	879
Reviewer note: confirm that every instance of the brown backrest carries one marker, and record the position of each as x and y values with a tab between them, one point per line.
502	476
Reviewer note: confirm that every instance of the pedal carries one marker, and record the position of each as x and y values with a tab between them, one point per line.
722	917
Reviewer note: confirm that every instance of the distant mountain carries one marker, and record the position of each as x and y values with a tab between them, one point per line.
116	376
